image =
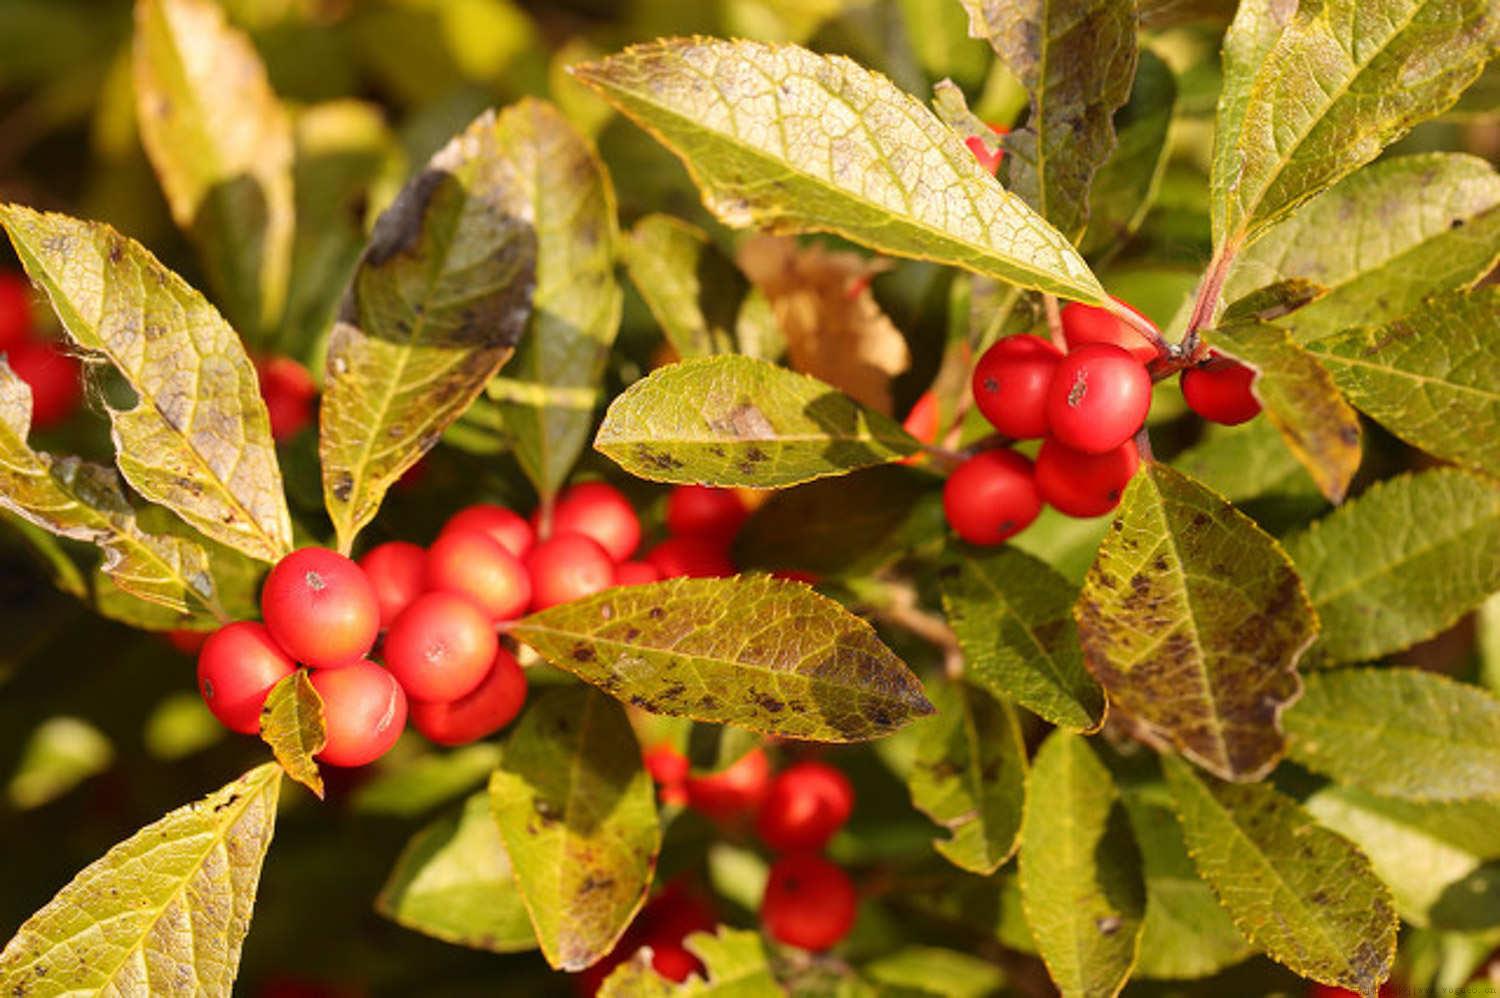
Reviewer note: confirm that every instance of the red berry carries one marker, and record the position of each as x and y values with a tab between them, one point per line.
1091	324
364	709
440	647
566	567
289	391
187	642
672	960
1219	390
700	511
492	705
15	309
636	573
922	421
237	667
1010	385
666	764
321	608
397	571
692	557
54	379
991	497
806	804
1099	398
470	564
600	511
506	528
989	160
735	790
809	902
1080	484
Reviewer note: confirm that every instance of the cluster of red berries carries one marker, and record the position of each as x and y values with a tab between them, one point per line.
54	376
663	924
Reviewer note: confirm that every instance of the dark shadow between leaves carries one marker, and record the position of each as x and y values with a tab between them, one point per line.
1471	903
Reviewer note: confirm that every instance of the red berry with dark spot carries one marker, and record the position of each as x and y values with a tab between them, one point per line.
636	573
321	608
508	529
736	790
807	803
1080	484
397	571
1219	390
237	667
691	557
54	378
991	497
470	564
15	309
700	511
364	709
1091	324
809	902
600	511
290	393
566	567
490	706
1099	398
1010	385
440	647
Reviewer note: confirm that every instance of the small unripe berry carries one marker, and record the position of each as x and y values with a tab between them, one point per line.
991	497
54	378
807	803
289	391
364	709
397	571
1099	398
508	529
320	607
809	902
566	567
736	790
490	706
636	573
1219	390
690	557
237	667
440	647
1090	324
1010	385
700	511
1080	484
600	511
15	309
470	564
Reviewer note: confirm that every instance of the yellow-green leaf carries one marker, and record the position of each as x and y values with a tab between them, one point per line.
736	961
694	291
163	912
782	138
1304	895
292	723
1246	462
577	812
1125	185
752	651
437	303
197	440
1080	870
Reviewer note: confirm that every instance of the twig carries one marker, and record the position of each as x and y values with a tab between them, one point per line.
1207	301
1054	321
898	605
1143	444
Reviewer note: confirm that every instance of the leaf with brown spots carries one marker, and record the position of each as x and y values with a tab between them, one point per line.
577	812
437	303
751	651
1307	897
1192	619
292	724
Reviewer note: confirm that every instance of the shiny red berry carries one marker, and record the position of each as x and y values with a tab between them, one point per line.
809	902
54	378
666	764
807	803
700	511
397	571
508	529
691	557
15	309
1219	390
736	790
600	511
187	642
237	667
636	573
989	160
1099	398
364	710
1010	385
566	567
486	709
290	393
1090	324
440	647
471	564
321	608
991	497
1083	485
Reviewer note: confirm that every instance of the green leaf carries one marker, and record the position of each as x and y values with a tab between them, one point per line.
737	962
235	580
694	291
733	420
1245	462
1301	400
1312	93
969	776
415	786
1076	59
60	753
781	138
221	145
576	307
175	897
1080	870
454	882
1398	733
578	816
292	723
197	440
933	970
437	303
1401	562
1429	377
1011	614
752	651
1439	860
1192	620
1125	185
1302	894
1380	242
